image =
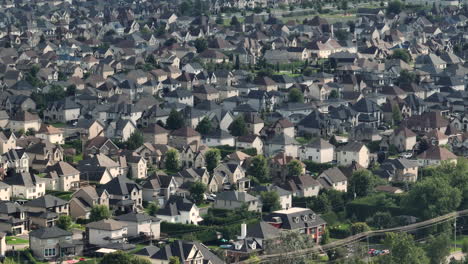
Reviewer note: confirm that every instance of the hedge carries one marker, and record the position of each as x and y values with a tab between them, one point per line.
366	207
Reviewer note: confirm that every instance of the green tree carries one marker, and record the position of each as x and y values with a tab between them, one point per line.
55	93
134	141
395	7
359	227
362	183
204	127
64	222
438	248
270	201
289	242
234	21
296	96
175	120
401	54
152	208
219	19
403	250
465	246
200	44
295	168
99	212
333	94
174	260
71	90
238	127
342	35
396	113
382	220
172	162
212	158
406	77
197	190
432	197
120	257
259	169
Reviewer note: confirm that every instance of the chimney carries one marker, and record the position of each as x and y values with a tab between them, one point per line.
243	231
331	31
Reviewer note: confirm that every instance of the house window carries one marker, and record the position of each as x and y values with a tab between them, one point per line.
49	252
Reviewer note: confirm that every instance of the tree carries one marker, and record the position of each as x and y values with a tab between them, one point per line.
172	160
197	190
270	201
403	250
433	196
174	260
134	141
381	220
396	113
406	77
401	54
120	257
344	5
362	183
238	127
259	169
289	242
308	71
333	94
359	227
153	208
234	21
342	35
55	93
219	19
465	246
175	120
295	96
200	44
438	248
294	168
71	90
204	127
64	222
212	157
395	7
99	212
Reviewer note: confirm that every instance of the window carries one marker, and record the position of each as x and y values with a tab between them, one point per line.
49	252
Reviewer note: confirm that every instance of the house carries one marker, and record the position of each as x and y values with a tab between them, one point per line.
302	186
279	127
250	142
124	194
99	168
50	243
5	191
234	200
184	136
353	151
185	251
121	129
180	96
426	122
16	159
90	128
403	139
43	153
141	224
25	185
84	199
231	173
100	145
218	137
7	141
178	209
50	133
24	121
62	177
155	134
159	187
435	155
285	197
138	166
13	218
65	110
106	232
399	170
45	211
301	220
281	143
254	123
319	151
334	178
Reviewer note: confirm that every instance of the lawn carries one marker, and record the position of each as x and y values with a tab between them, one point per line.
62	195
58	124
77	158
16	240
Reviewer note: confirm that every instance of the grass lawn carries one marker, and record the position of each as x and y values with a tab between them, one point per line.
203	205
58	124
62	195
78	226
77	158
16	240
137	248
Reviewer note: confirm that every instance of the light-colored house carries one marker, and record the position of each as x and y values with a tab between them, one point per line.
5	191
62	177
353	151
178	209
25	185
250	141
138	167
7	142
403	139
184	136
90	128
233	200
48	243
50	133
106	231
319	151
281	143
124	194
13	218
399	170
155	134
435	155
24	121
138	224
335	179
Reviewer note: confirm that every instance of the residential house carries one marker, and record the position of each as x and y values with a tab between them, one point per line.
62	177
285	197
302	186
319	151
335	179
155	134
90	128
353	151
403	139
184	136
141	224
399	170
100	145
7	141
106	232
44	211
25	185
178	209
124	194
65	110
24	121
50	133
13	218
50	243
250	142
233	200
435	155
84	199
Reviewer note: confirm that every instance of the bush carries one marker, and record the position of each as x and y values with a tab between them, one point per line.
250	151
317	168
366	207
